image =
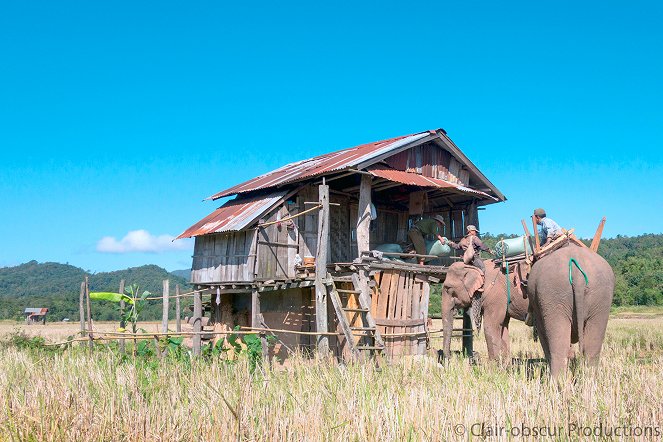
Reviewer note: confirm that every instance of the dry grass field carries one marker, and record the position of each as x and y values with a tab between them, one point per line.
71	396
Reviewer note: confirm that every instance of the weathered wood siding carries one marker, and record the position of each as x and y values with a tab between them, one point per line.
432	161
223	257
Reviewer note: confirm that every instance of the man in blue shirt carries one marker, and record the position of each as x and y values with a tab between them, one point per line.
549	228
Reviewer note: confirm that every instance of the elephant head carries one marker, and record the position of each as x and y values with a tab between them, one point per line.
460	285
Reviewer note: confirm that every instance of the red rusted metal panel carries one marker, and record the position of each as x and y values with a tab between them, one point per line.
234	215
335	161
414	179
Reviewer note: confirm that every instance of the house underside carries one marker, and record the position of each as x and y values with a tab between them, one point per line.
292	250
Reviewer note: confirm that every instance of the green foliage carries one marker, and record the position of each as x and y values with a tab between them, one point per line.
57	287
111	297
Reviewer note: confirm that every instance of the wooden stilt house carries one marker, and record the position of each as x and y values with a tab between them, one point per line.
291	250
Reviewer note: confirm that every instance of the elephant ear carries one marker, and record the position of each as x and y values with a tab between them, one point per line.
473	280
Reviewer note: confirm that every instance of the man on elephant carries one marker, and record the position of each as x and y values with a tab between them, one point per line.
427	226
472	239
550	230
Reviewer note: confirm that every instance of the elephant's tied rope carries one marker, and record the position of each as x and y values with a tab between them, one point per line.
573	261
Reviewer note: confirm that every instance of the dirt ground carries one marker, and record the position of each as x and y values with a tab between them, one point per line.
60	331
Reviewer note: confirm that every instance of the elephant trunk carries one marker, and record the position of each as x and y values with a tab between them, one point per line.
447	322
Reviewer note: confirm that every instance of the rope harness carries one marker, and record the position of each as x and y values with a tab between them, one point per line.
573	261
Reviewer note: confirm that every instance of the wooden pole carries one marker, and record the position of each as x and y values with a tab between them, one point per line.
537	242
364	215
197	321
321	271
256	319
89	313
597	236
166	305
123	323
527	234
81	310
178	310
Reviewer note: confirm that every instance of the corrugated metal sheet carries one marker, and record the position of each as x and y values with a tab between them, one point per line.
414	179
335	161
234	215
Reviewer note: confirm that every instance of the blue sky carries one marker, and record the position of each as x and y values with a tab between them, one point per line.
120	117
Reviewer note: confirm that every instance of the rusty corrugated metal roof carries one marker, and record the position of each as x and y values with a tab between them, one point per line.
335	161
235	214
414	179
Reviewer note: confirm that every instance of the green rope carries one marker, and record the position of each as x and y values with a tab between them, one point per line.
571	262
508	288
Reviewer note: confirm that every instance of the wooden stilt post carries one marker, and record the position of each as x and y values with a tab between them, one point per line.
321	271
81	310
178	311
89	313
597	236
123	323
166	306
197	321
256	319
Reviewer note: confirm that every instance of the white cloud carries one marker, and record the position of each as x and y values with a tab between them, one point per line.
142	241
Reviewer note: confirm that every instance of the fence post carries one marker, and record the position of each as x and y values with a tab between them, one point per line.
89	313
81	310
166	306
123	323
197	321
178	312
468	335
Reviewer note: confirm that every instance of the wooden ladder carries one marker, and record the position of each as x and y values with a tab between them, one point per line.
371	340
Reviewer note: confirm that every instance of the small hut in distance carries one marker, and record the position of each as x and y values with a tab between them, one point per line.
35	315
291	251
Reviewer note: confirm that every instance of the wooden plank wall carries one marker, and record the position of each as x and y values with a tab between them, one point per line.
399	304
278	244
432	161
223	257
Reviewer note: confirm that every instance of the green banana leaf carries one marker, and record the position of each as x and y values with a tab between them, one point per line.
112	297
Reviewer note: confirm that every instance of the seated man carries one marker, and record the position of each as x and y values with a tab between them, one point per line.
473	239
550	230
426	226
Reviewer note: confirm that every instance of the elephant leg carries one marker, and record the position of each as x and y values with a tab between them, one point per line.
594	334
506	342
558	337
493	333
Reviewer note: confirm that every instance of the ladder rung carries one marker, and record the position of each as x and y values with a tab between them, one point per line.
362	328
356	292
353	309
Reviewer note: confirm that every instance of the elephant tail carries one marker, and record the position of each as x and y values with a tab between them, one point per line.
579	303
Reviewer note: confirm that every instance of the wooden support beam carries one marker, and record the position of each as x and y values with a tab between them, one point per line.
197	321
364	215
257	320
468	335
321	270
178	310
166	305
597	236
528	236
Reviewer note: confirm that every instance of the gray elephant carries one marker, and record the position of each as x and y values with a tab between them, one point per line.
463	282
567	312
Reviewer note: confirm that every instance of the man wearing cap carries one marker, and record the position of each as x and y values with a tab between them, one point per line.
427	226
473	239
549	228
